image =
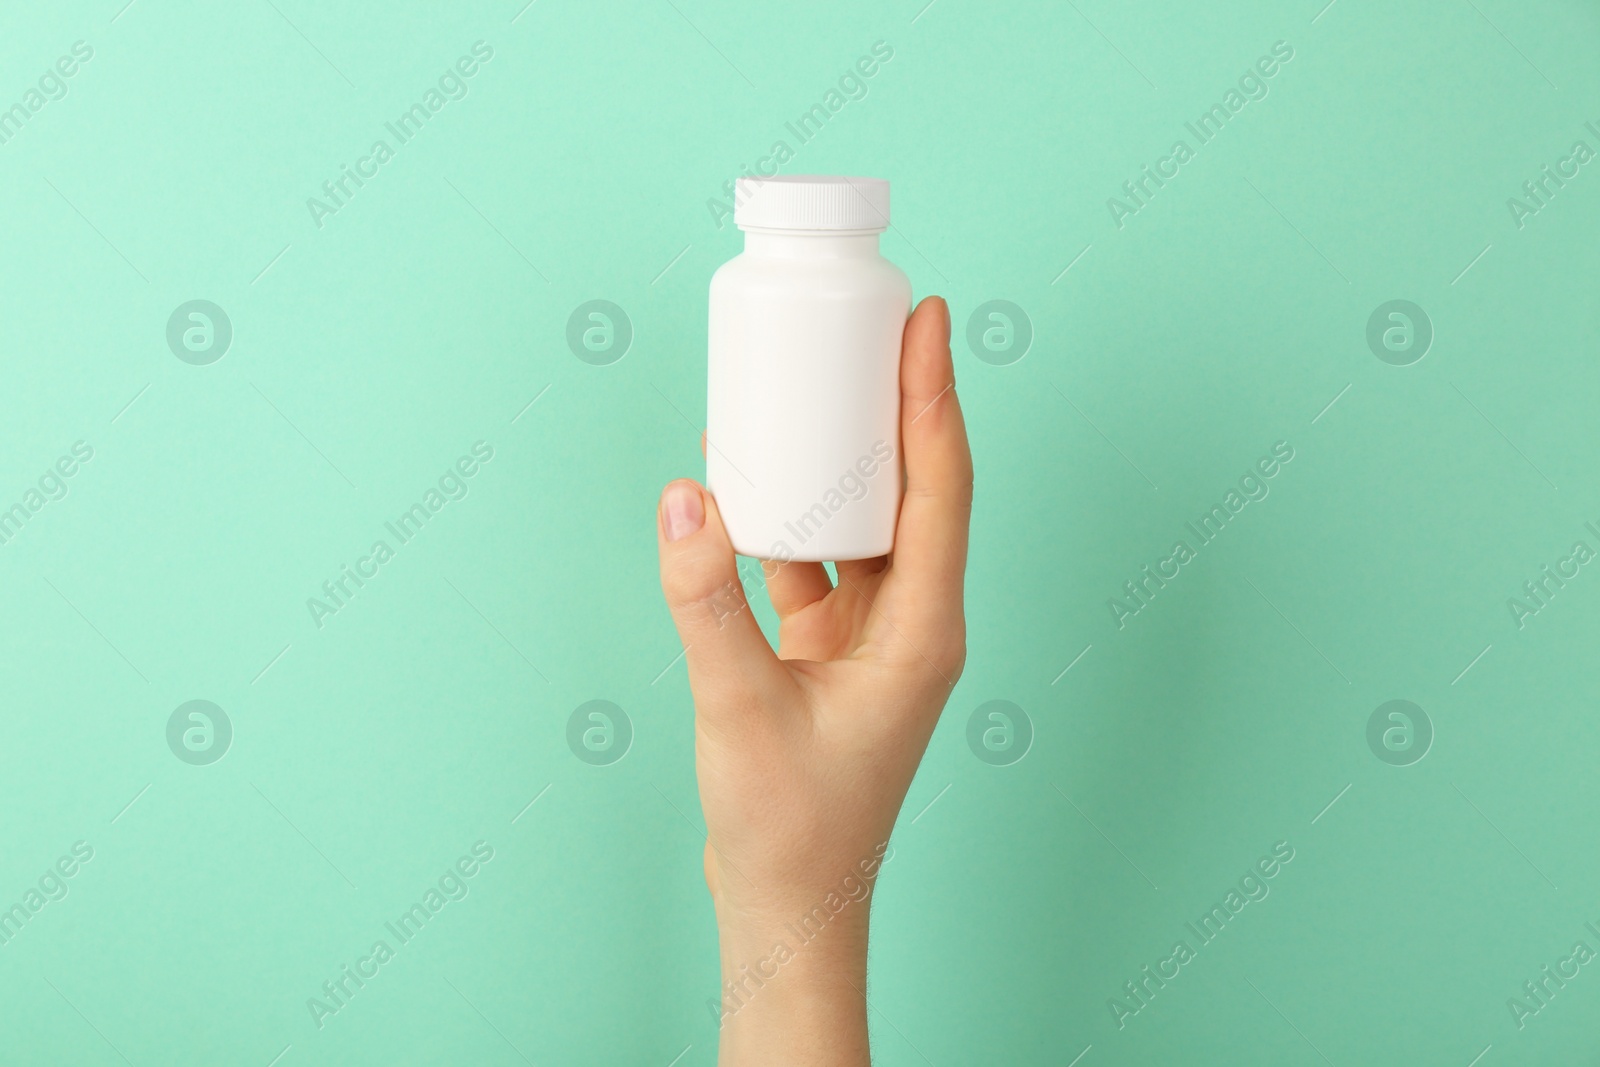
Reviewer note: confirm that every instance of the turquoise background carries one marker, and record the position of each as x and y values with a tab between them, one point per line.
428	312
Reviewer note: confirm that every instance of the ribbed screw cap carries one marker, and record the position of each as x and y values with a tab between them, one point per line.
812	202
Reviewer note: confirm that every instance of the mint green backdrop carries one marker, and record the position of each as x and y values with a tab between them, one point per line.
1149	353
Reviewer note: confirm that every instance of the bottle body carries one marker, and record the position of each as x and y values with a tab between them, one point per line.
803	411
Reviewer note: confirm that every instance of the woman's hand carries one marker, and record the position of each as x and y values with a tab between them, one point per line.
804	756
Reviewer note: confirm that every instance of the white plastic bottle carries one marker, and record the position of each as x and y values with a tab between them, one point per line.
803	413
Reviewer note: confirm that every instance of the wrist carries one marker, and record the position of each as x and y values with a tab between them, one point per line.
794	992
794	964
810	941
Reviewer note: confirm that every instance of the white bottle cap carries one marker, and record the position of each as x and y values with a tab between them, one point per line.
812	202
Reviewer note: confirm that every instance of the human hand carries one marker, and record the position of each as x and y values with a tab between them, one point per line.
804	755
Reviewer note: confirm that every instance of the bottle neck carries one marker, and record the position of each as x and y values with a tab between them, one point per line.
810	244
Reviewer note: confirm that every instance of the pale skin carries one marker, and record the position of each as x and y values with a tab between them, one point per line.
804	753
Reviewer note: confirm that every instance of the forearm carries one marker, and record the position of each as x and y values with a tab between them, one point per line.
794	993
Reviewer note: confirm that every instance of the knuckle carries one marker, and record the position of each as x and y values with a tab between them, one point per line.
961	491
943	650
680	586
949	655
702	599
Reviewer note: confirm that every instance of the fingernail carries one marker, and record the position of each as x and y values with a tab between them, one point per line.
946	304
682	511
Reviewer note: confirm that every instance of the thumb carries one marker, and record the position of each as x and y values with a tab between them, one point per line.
730	662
